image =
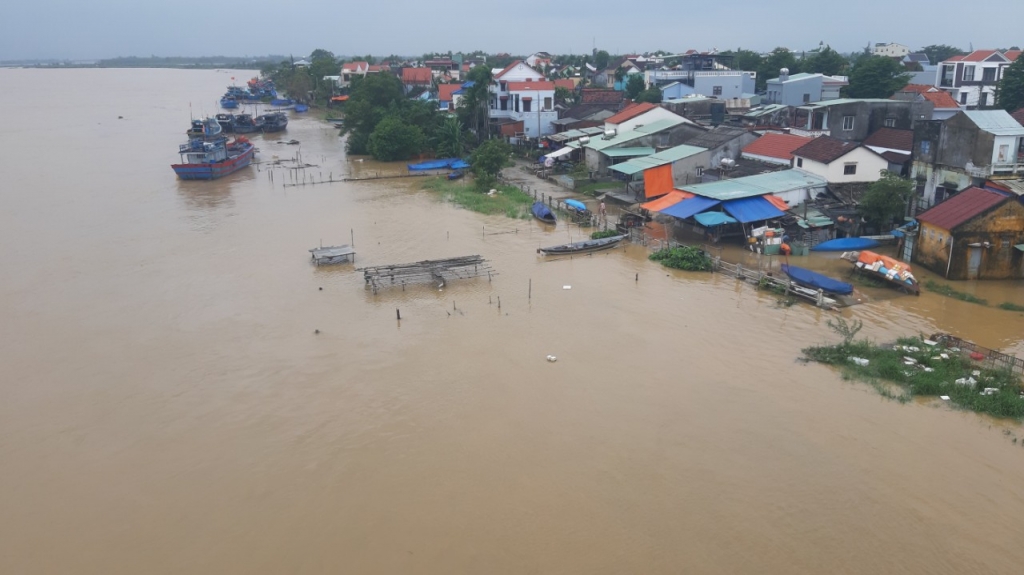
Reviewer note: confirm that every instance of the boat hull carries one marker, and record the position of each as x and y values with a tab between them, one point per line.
584	247
215	170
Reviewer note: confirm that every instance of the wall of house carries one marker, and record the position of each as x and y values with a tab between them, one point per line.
733	85
1002	228
792	92
870	116
1008	154
684	171
869	167
676	90
961	142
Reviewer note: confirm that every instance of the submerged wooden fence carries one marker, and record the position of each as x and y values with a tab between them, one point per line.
995	359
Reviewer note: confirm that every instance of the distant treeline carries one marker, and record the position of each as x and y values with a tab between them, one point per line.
182	62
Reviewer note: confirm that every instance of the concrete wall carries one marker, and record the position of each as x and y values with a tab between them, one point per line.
870	116
733	85
1002	227
791	93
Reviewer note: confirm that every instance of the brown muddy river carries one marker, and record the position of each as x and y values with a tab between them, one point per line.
165	406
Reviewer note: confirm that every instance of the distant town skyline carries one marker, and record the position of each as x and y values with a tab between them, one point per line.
65	29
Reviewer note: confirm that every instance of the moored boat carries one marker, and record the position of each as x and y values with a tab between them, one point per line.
301	108
455	175
890	270
204	128
209	159
246	124
274	121
844	244
228	102
543	213
583	247
814	280
227	122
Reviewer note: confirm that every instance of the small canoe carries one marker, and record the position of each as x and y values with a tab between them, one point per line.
845	244
543	213
815	280
582	247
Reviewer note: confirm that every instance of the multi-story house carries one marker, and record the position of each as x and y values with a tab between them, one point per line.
966	150
523	101
704	74
852	120
890	50
972	79
800	89
351	70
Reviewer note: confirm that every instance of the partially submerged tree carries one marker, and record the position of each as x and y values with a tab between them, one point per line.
450	140
886	199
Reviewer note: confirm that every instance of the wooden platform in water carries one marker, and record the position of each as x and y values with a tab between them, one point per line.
333	255
440	271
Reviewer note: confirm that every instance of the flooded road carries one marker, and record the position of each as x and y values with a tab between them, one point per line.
165	406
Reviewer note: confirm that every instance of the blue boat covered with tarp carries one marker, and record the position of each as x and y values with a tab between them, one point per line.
815	280
445	164
543	213
845	245
576	205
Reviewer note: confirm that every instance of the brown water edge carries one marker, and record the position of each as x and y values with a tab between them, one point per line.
167	407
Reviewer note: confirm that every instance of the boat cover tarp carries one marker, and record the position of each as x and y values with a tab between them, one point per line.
708	219
752	209
541	211
690	207
576	204
815	280
670	199
459	165
845	244
434	164
658	181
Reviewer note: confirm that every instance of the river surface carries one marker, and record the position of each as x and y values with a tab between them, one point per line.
166	407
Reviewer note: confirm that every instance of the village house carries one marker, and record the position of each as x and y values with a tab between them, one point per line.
895	146
774	148
972	79
839	162
851	120
523	101
596	106
352	70
703	73
416	79
976	234
890	50
602	152
660	173
944	106
607	78
636	115
799	89
966	150
446	96
722	142
540	60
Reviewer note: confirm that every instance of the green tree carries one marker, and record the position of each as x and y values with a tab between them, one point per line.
394	139
488	160
449	140
877	77
601	59
746	60
635	85
779	58
563	95
371	98
886	200
473	105
826	61
941	52
652	95
1010	92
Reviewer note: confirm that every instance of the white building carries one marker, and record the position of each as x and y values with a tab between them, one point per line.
891	50
972	79
521	94
839	162
637	115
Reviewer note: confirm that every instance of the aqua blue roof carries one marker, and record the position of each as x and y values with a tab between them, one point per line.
759	185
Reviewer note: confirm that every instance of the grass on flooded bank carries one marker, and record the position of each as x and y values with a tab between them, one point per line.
509	201
929	375
948	291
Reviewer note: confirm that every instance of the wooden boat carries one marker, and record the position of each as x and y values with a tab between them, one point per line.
815	280
583	247
543	213
892	271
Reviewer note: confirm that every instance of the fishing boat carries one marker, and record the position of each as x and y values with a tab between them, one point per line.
583	247
246	124
227	122
814	280
274	121
844	244
282	102
209	159
228	103
543	213
890	270
204	128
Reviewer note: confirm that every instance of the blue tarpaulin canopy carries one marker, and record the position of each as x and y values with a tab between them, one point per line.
690	207
753	209
709	219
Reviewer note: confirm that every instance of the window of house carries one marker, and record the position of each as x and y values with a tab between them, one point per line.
716	90
547	103
890	122
984	99
700	171
849	169
968	73
963	98
504	105
799	162
1006	244
926	147
807	98
988	75
847	123
526	105
503	86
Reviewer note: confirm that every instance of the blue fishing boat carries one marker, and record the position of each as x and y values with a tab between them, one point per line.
455	175
543	213
586	246
204	128
273	122
815	280
228	103
246	124
209	159
227	122
845	245
301	108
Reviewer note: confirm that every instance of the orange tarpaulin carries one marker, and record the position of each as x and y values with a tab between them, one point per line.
777	202
339	99
670	199
658	181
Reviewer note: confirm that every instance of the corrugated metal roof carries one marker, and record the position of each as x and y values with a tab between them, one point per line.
759	185
631	135
629	152
998	122
841	101
962	207
653	161
770	108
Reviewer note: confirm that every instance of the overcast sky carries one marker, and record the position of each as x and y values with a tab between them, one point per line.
83	29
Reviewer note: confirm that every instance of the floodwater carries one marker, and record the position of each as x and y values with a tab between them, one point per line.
165	406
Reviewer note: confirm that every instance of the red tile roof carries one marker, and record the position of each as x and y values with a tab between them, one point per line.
416	76
521	86
1019	116
1012	55
956	58
942	100
444	91
975	56
355	66
598	96
779	146
896	157
630	112
824	149
891	138
565	83
962	207
918	88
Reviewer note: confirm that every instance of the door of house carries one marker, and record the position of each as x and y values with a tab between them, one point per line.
973	263
908	247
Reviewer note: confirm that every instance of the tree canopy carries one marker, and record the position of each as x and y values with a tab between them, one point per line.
877	77
394	139
779	58
825	61
635	85
886	199
1010	95
601	59
488	160
941	52
652	95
